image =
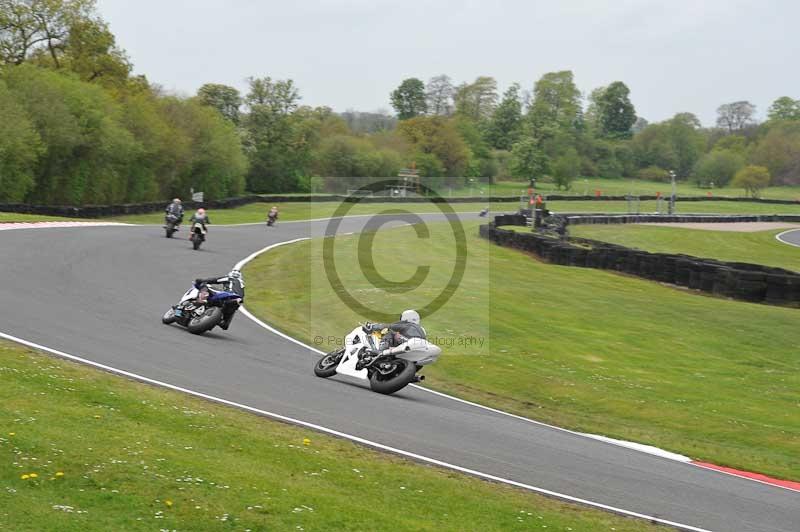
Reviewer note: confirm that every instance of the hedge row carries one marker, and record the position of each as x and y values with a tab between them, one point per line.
736	280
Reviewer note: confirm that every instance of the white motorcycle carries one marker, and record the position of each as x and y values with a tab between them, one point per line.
365	356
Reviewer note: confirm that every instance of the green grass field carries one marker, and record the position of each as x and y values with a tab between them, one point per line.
615	187
84	450
16	217
759	247
686	207
585	349
256	212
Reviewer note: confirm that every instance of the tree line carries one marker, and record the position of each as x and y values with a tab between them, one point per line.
551	132
79	128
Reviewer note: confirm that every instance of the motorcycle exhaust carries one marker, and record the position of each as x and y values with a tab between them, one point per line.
418	378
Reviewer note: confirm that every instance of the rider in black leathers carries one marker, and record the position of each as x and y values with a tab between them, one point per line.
233	282
175	208
399	331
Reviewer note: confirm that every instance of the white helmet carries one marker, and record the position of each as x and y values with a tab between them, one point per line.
410	315
236	274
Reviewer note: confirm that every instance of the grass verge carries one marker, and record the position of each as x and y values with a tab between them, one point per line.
687	207
85	450
758	247
6	217
585	349
257	212
619	187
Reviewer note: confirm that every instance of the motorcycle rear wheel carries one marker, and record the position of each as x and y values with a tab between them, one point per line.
326	366
396	381
210	319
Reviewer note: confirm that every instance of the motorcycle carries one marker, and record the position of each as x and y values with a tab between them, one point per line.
170	224
198	235
271	219
202	309
386	373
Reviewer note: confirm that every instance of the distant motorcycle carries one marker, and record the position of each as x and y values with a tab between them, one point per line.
484	212
198	235
271	218
386	373
170	224
202	309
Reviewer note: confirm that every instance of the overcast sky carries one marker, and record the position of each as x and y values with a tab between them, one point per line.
675	55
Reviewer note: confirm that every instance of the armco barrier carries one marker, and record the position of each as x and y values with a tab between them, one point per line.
736	280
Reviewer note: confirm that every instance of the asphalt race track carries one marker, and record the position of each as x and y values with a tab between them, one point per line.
99	293
790	237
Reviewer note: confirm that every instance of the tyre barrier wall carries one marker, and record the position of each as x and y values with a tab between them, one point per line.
101	211
735	280
583	218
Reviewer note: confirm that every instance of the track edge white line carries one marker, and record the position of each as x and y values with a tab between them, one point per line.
357	439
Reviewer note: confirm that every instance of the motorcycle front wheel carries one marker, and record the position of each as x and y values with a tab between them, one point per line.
196	241
326	366
168	317
210	318
400	376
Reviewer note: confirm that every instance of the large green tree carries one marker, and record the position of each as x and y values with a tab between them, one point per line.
616	114
779	151
717	167
272	136
439	94
62	34
784	108
506	123
20	148
87	150
675	144
566	168
556	104
735	116
438	136
477	100
39	27
223	98
528	160
409	100
216	162
752	179
91	51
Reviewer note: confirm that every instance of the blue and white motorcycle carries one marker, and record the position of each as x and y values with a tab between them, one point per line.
201	309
